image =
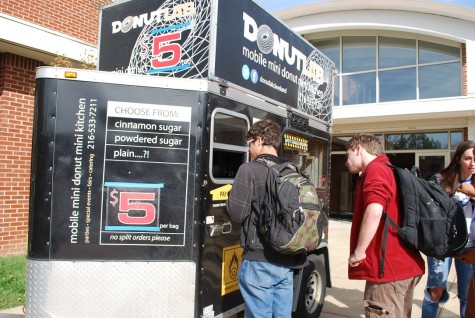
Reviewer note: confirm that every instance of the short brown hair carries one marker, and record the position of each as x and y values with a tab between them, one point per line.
367	141
268	130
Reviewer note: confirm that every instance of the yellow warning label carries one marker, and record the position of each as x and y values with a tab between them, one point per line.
232	259
295	142
221	193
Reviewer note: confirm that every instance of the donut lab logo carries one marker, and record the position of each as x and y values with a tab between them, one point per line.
178	11
268	41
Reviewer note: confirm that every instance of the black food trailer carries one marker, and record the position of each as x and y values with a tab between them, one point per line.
132	164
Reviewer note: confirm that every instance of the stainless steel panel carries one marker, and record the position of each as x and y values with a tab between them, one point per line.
110	289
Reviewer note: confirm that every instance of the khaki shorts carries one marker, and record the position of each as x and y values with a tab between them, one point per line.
390	300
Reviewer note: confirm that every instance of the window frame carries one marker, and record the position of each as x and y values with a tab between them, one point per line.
223	146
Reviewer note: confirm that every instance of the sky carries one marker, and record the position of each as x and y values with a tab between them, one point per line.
275	5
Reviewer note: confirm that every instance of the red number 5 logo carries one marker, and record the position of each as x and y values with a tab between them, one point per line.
162	46
132	201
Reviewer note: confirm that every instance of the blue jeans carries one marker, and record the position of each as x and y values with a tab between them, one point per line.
437	273
267	289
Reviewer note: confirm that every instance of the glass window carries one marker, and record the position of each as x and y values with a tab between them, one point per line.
331	48
226	163
359	88
336	90
441	80
436	140
455	139
339	142
359	53
397	85
407	69
228	144
432	52
229	129
394	52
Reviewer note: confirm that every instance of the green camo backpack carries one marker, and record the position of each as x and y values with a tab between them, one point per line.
291	219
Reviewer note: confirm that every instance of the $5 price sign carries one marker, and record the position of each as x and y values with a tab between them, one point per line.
132	206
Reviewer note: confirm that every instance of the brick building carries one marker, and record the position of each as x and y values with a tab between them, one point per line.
32	34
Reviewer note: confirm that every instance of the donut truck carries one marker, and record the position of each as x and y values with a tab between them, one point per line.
132	163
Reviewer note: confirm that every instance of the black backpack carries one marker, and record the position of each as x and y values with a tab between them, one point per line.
291	219
431	221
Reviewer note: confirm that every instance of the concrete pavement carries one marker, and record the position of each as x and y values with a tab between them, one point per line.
344	299
16	312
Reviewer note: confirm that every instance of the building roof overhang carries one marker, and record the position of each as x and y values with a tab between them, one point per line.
461	106
42	44
420	6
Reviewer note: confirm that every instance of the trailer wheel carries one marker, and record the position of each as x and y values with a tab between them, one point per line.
312	289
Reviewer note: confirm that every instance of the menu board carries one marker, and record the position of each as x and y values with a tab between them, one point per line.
113	176
156	137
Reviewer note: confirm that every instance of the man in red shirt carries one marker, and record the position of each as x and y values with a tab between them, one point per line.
388	294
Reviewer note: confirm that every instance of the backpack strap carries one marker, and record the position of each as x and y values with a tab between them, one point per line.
383	244
387	222
246	239
268	162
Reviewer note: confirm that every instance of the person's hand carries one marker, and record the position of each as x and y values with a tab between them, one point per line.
467	189
467	256
356	259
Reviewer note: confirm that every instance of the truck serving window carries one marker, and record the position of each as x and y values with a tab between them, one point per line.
310	155
228	144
